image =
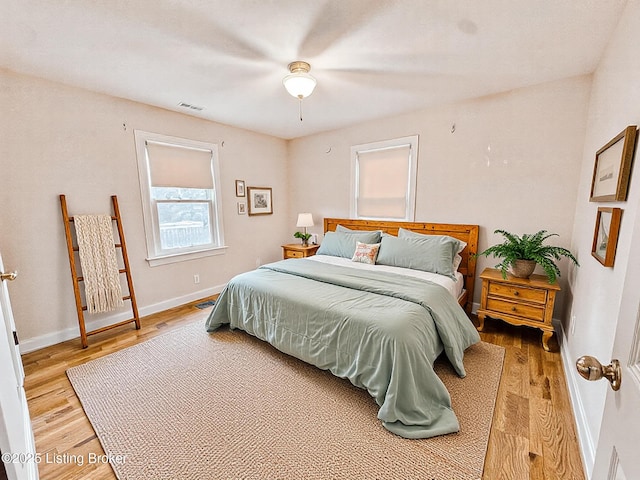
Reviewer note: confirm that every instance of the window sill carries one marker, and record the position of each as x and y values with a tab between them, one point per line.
183	257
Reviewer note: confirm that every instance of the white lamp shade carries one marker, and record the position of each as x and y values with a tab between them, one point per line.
305	220
299	84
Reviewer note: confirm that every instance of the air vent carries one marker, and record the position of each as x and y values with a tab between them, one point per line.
190	106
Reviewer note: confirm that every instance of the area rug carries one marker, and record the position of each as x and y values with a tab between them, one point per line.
193	405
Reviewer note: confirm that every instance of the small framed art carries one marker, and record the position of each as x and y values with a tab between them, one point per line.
260	200
240	188
605	237
613	167
242	208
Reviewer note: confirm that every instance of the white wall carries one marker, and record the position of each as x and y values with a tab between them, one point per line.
512	163
597	290
57	139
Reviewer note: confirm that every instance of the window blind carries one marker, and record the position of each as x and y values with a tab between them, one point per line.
383	182
175	166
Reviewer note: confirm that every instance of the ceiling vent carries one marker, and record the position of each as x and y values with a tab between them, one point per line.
190	106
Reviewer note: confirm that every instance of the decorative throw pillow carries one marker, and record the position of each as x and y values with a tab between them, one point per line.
366	253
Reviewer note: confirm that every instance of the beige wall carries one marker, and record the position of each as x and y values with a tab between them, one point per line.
56	139
515	147
512	163
596	290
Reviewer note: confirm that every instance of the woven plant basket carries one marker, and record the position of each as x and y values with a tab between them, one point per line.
523	268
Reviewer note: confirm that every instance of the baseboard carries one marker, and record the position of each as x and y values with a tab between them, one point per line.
585	438
35	343
474	308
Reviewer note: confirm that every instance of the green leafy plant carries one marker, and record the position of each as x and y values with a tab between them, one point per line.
303	236
529	247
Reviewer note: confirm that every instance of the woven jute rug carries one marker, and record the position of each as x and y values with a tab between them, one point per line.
193	405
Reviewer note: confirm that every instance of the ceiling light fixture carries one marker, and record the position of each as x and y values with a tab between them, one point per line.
299	83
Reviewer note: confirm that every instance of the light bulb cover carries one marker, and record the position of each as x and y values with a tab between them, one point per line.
299	85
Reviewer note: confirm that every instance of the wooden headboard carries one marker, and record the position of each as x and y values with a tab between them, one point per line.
466	233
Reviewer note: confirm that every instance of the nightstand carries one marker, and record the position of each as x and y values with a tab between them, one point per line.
518	301
297	250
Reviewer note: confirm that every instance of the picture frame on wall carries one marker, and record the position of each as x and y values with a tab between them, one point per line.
612	167
240	190
605	236
242	208
260	200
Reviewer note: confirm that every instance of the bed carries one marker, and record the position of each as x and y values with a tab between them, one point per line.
380	325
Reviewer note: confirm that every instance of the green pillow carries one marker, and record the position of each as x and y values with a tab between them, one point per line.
343	244
458	245
434	255
342	229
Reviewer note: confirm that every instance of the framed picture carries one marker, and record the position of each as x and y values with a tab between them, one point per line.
242	208
613	167
260	200
240	188
605	237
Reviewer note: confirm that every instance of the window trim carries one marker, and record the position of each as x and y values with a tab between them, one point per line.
154	256
410	208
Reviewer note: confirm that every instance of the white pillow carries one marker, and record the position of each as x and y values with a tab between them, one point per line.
366	253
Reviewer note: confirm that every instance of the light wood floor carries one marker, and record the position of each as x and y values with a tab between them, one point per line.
533	434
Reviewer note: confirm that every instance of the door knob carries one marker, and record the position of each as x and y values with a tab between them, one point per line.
8	276
591	369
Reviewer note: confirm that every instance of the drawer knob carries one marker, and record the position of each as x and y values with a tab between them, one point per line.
516	293
514	309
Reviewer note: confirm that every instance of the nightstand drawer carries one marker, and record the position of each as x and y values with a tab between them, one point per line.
296	250
521	310
518	293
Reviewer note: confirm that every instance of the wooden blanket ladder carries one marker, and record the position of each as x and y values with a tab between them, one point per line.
73	249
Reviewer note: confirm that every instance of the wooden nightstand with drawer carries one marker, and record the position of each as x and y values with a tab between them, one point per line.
518	301
297	250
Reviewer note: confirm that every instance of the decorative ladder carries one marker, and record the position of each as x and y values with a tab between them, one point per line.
71	248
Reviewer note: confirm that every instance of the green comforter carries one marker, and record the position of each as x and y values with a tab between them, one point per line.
381	331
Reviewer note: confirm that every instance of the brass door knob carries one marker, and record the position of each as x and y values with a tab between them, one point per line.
8	276
591	369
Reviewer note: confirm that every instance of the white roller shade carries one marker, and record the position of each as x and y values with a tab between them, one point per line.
174	166
383	177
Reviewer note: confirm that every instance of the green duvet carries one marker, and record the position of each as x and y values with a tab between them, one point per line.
381	331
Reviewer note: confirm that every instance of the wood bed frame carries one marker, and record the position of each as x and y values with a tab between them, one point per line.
466	233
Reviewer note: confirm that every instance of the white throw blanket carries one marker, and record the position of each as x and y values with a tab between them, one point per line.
102	288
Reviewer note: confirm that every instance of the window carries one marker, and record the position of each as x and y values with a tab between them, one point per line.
180	198
383	179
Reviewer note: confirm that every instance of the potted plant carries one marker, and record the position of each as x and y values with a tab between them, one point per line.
303	236
521	254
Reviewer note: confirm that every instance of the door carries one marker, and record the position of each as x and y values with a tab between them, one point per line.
16	437
9	323
617	450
